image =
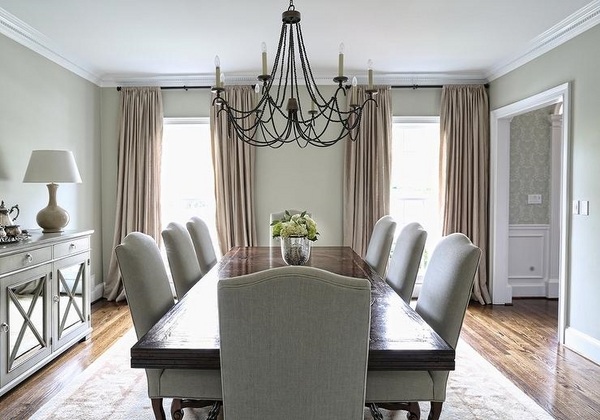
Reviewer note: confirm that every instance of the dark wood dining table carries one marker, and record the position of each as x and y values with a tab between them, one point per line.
187	336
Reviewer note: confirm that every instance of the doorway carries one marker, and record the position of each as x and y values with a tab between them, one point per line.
499	197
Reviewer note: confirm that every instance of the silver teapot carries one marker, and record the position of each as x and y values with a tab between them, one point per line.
5	213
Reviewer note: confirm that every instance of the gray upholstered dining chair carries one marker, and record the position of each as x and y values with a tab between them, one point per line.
181	255
294	344
442	303
205	252
404	264
149	297
380	244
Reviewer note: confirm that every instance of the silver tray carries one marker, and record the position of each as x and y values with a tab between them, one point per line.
14	239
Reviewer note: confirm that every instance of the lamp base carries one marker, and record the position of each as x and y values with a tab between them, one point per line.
53	218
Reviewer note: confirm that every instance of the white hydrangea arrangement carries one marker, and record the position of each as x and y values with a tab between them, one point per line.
299	224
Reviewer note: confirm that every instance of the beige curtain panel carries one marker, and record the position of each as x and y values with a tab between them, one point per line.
233	161
367	171
464	171
138	174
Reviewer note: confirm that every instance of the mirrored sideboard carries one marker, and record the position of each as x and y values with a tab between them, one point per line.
44	301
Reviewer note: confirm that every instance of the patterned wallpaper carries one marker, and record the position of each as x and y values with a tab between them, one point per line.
530	140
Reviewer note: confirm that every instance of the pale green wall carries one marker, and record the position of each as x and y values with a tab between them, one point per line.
530	151
424	102
44	106
578	62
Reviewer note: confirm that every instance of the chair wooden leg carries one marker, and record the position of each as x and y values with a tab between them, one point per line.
413	409
176	409
157	408
436	410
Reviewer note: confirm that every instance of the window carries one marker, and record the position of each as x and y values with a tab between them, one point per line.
187	173
414	186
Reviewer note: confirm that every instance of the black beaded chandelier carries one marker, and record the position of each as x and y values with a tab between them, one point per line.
279	116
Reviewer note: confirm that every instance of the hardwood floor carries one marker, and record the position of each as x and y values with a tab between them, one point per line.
520	340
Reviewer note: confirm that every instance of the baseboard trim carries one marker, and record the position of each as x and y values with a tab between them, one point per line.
583	344
529	290
552	288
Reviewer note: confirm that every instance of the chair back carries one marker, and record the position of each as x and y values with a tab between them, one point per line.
447	285
182	258
294	344
380	244
205	252
404	264
145	280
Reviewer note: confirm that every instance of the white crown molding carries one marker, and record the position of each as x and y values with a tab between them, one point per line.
579	22
19	31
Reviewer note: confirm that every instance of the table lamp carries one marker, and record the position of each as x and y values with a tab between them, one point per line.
52	166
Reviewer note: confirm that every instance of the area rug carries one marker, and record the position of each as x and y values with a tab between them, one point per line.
110	389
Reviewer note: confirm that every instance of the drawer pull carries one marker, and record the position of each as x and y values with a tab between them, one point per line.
5	327
72	247
28	258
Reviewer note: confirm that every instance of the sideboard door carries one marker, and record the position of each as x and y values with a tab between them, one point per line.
24	321
70	297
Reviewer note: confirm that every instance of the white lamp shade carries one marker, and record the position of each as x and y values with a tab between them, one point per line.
52	166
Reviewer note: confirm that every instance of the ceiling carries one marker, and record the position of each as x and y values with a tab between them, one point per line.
113	42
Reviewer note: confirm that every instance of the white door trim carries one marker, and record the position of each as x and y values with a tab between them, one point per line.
499	194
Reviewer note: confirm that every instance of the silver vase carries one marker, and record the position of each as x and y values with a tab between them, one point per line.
295	250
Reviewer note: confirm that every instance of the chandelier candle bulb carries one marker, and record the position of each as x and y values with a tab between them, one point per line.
341	61
354	100
264	57
370	73
217	71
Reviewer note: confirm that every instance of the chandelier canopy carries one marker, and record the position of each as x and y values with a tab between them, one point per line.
279	116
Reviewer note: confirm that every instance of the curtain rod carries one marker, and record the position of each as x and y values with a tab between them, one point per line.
184	87
415	86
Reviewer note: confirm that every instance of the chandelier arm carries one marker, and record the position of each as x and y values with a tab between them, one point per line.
315	139
240	127
326	143
271	122
240	131
253	140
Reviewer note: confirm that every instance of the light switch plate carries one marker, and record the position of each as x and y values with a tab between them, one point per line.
575	206
534	199
584	208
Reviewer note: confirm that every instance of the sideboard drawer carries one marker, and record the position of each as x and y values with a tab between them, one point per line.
75	246
24	259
